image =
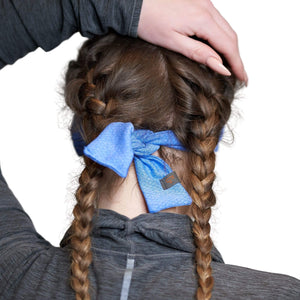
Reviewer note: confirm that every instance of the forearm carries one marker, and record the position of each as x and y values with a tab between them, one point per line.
29	24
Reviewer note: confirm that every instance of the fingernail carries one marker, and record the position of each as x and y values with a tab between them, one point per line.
246	78
217	66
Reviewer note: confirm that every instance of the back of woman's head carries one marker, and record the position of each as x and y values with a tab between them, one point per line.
120	79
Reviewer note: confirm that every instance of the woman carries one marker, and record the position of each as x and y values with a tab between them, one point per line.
113	81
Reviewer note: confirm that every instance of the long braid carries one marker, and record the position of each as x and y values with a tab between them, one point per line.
87	195
204	109
80	241
202	160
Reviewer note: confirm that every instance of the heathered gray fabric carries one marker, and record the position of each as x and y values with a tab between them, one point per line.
26	25
160	244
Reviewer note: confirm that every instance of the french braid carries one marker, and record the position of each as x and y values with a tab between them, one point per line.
93	111
202	140
202	160
204	109
80	240
86	196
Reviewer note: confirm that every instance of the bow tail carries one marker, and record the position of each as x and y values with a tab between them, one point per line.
150	173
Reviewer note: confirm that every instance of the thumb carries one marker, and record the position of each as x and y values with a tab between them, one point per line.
197	51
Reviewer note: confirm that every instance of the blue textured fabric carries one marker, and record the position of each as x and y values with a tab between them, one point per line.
119	144
220	138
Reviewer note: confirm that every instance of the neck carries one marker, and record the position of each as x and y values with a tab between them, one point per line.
128	200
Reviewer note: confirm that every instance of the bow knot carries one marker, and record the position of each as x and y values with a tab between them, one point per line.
141	146
119	144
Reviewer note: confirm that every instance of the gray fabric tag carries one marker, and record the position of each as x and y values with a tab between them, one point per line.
169	180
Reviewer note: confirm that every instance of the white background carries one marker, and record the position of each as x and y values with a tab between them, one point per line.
256	221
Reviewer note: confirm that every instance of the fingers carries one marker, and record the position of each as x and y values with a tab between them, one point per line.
170	23
197	51
232	55
228	43
216	30
221	21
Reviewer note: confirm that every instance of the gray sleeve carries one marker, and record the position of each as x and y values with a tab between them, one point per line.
20	244
235	282
15	225
29	24
2	180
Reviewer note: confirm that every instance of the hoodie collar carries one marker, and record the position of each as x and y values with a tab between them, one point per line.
166	229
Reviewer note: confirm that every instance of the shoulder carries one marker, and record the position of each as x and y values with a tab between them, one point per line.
234	282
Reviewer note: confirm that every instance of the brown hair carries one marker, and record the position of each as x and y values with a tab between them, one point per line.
128	80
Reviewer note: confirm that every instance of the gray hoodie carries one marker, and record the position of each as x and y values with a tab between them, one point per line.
148	257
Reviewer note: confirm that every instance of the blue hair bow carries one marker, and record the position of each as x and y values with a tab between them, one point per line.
119	144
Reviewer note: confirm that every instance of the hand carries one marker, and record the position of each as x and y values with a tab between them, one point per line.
171	23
